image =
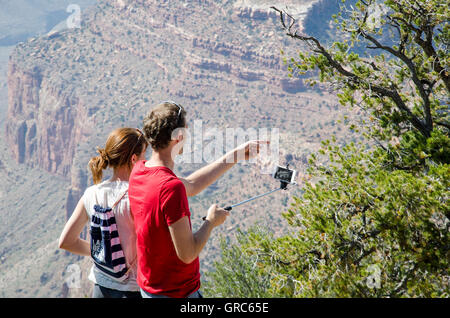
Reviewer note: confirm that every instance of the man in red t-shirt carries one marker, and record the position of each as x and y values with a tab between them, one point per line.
167	249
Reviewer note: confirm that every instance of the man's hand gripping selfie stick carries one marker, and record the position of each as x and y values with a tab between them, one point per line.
283	186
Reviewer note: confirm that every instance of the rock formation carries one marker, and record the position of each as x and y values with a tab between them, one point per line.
47	119
44	123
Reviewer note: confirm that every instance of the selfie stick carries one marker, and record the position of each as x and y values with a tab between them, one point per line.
228	208
283	186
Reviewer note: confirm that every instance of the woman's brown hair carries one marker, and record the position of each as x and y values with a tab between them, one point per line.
121	145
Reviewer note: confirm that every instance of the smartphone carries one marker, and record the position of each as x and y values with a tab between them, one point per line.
284	174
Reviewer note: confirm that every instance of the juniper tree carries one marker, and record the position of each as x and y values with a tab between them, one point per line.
373	218
401	81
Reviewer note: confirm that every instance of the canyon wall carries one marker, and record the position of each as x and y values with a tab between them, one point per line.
44	123
69	89
48	118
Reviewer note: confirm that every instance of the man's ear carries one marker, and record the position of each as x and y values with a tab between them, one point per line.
178	135
134	159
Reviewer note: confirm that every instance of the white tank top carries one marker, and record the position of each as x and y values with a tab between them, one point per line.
106	194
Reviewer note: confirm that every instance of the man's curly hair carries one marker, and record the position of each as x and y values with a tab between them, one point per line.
161	122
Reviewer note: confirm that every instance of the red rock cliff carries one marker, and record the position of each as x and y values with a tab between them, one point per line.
45	123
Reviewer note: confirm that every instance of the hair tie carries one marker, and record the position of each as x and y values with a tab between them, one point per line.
104	156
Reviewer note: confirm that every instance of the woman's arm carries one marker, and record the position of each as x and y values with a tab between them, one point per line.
70	237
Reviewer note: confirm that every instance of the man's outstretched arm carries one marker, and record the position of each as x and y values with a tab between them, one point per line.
207	175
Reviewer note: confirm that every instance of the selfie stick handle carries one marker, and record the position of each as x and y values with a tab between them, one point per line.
230	207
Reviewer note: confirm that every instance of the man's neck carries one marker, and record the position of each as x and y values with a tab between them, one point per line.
161	158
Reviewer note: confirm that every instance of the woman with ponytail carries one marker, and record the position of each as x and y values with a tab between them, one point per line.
123	148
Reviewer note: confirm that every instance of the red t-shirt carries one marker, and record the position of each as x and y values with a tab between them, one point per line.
158	199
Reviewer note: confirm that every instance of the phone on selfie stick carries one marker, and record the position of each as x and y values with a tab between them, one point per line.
283	174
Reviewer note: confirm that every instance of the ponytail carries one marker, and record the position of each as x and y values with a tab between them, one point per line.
98	164
120	146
